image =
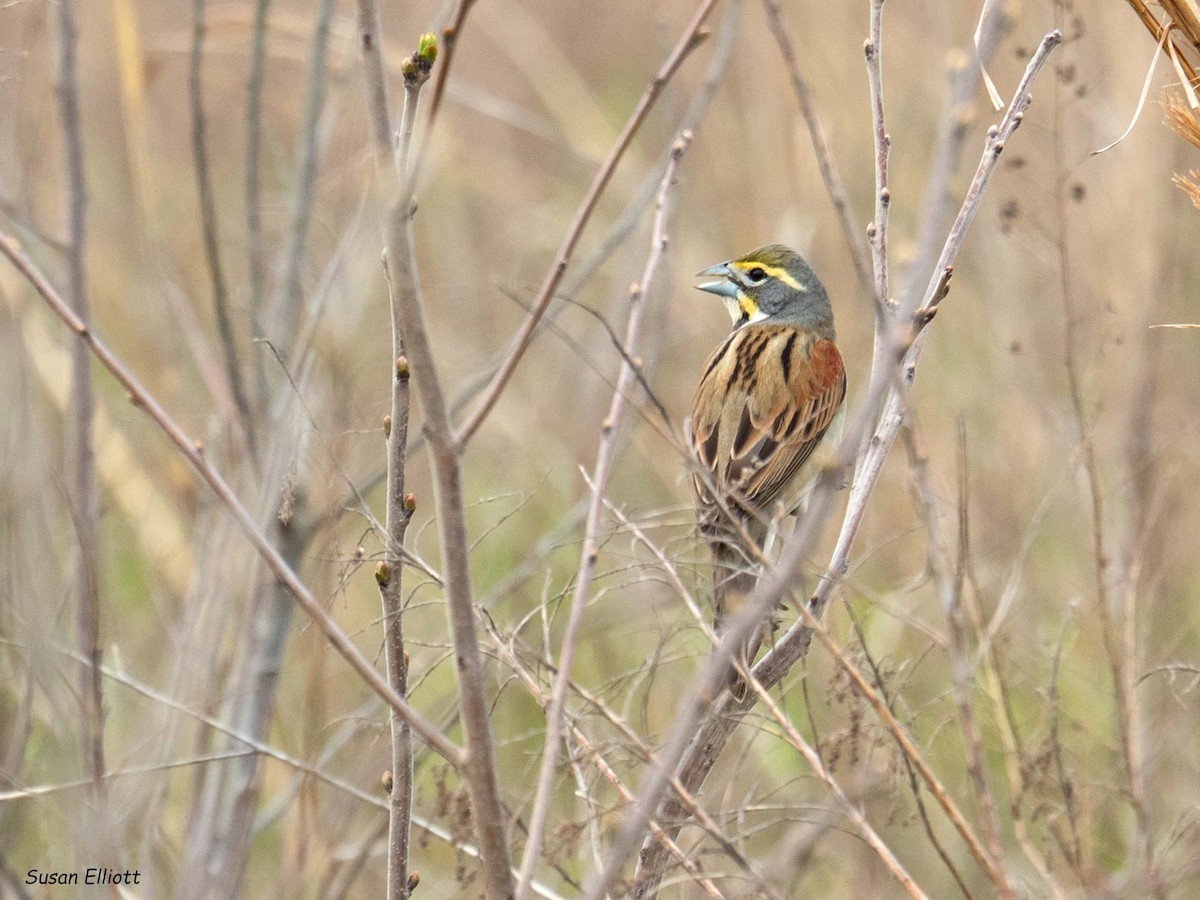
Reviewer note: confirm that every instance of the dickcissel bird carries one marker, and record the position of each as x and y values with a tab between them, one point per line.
766	398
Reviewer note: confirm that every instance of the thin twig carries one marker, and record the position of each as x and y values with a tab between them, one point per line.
85	498
949	593
449	44
255	243
592	753
877	230
252	746
886	321
1120	666
605	458
208	221
909	749
290	301
1072	849
379	107
852	812
860	255
913	784
195	455
480	770
688	42
984	658
400	506
953	129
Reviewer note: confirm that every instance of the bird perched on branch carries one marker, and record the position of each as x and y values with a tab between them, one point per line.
766	398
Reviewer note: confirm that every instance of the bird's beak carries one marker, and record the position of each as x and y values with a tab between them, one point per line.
724	287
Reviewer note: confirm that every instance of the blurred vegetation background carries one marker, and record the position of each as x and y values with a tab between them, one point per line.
1070	500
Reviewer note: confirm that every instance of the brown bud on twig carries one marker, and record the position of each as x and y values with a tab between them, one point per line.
387	427
386	781
383	574
402	371
414	878
410	503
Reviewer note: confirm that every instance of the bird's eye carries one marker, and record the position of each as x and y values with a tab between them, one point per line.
757	274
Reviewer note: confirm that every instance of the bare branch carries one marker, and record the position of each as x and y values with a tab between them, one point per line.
195	455
834	185
389	574
874	841
688	42
450	36
85	497
950	594
379	107
1120	645
290	299
208	221
605	458
480	769
255	243
877	230
589	751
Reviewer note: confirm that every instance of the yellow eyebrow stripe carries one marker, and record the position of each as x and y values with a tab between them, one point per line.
774	271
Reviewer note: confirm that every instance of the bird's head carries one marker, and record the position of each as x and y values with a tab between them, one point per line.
772	283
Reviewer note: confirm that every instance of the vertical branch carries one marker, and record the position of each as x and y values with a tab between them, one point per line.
85	500
487	813
400	506
952	132
877	230
255	250
1117	636
208	221
288	313
450	35
605	457
480	769
834	185
949	593
219	847
378	105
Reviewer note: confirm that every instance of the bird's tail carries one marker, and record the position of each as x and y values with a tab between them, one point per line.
735	572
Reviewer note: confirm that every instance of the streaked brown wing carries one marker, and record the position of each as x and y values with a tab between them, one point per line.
768	395
783	439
